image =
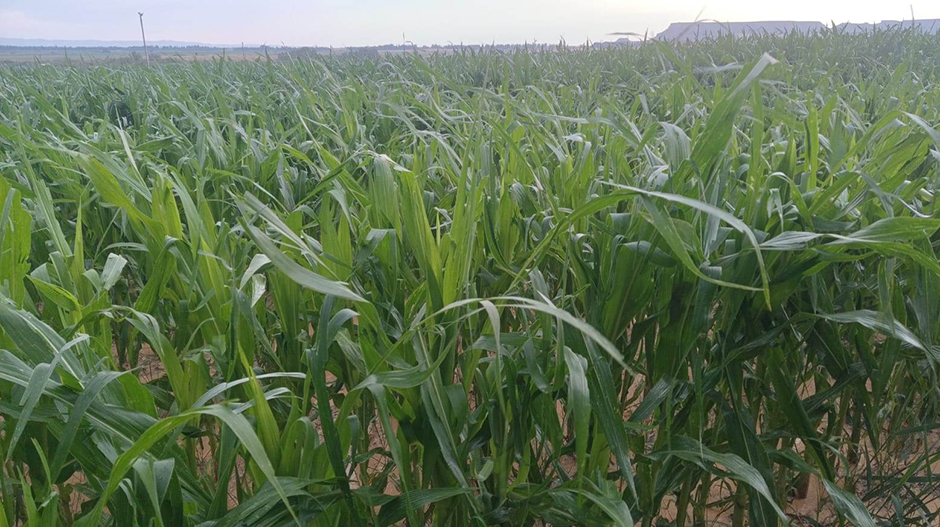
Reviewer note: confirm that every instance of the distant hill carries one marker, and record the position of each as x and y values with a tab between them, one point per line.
46	43
931	26
690	31
684	31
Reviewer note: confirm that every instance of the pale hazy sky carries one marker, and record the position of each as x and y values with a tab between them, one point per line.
371	22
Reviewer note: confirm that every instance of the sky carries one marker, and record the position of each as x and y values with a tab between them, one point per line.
423	22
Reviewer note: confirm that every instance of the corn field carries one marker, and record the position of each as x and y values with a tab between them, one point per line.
663	285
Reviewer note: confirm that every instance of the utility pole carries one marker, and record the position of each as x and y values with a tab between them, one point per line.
144	37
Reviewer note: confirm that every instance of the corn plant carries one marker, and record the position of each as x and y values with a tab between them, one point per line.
567	287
